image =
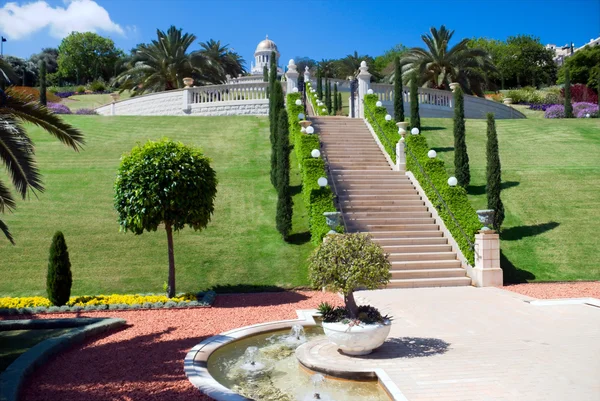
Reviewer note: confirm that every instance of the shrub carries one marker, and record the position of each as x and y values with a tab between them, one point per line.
284	197
581	93
97	86
170	304
80	89
88	112
59	279
525	95
376	116
58	108
582	109
346	262
415	118
398	95
34	93
555	111
567	95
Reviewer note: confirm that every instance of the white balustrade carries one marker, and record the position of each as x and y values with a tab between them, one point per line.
228	93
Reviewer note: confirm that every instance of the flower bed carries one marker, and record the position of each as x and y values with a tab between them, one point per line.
64	95
58	108
580	110
33	305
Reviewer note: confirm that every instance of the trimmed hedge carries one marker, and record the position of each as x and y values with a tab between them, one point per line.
455	197
317	200
390	130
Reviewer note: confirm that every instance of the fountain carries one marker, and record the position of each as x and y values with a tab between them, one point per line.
296	336
251	365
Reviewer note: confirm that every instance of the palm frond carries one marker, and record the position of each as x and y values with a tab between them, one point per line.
7	234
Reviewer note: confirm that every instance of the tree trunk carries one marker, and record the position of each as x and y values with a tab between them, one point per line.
171	284
351	305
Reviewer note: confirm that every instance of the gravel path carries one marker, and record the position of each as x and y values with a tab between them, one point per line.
145	360
557	290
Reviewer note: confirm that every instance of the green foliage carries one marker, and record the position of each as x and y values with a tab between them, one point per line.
329	314
494	173
59	279
583	67
398	98
84	56
527	94
293	111
455	197
336	105
42	72
276	104
80	89
97	86
265	74
568	105
461	157
415	118
284	197
328	96
165	182
385	62
320	200
340	103
390	135
319	84
345	262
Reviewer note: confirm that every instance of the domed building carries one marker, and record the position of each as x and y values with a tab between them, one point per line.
262	57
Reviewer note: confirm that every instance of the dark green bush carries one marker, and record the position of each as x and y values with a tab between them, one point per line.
80	89
398	99
59	279
97	86
461	156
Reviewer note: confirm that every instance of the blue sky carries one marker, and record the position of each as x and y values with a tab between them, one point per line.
317	29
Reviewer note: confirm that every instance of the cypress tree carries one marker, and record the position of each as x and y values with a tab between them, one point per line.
278	105
272	116
494	176
398	99
328	96
42	69
336	105
568	105
461	157
265	74
415	119
59	279
340	104
319	84
284	197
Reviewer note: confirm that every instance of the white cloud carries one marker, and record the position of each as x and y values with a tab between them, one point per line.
22	21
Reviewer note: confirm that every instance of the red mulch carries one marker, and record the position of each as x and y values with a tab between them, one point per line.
558	290
145	361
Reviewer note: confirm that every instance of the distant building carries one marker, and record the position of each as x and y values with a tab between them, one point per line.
262	57
562	52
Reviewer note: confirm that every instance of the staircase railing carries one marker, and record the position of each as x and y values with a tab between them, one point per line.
439	196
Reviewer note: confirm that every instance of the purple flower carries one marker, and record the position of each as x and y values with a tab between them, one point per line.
58	108
582	109
540	107
555	111
86	112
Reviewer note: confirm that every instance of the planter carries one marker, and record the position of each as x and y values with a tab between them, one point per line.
188	82
507	101
454	85
359	339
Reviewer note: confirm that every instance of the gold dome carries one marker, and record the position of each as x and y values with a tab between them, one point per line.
266	44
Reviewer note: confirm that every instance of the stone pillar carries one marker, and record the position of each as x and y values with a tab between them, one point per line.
306	74
112	109
401	147
364	79
186	101
292	76
487	271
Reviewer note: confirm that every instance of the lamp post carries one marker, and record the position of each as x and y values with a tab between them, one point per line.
2	46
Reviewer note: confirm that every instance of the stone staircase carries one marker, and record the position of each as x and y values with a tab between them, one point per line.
375	199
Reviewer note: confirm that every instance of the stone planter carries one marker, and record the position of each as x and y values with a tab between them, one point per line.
507	101
359	339
188	82
402	127
486	217
114	96
454	85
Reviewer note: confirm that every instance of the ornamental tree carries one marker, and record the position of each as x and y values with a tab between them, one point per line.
461	157
494	173
336	105
284	196
345	262
59	278
567	89
42	70
398	98
165	182
415	118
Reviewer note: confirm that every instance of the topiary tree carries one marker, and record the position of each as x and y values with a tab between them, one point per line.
398	100
415	119
336	105
265	74
284	196
461	157
340	104
165	182
278	104
319	84
59	278
345	262
328	96
568	105
494	174
42	70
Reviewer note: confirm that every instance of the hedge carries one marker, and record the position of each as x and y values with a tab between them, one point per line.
390	135
317	200
455	197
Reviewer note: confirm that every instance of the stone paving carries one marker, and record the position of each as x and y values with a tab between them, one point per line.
467	344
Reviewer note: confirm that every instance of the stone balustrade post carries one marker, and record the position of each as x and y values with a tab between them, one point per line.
292	76
401	147
364	79
186	100
487	271
306	74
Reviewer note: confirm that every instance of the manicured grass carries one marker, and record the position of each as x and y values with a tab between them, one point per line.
551	179
240	247
13	343
77	102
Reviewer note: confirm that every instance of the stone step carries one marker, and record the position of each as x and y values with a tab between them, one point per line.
386	202
427	273
350	208
409	195
411	241
370	180
370	174
385	167
424	264
396	185
372	228
428	256
419	214
359	220
417	248
430	282
403	234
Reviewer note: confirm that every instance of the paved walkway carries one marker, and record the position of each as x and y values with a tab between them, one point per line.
466	343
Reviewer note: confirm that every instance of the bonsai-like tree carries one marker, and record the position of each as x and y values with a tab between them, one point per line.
346	262
168	183
59	279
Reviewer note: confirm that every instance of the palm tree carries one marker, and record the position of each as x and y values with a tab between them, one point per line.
349	65
17	148
223	60
437	65
162	64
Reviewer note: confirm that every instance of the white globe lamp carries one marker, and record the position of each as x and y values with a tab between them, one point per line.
322	182
388	117
310	130
432	154
452	181
370	92
301	116
295	90
415	131
298	102
379	104
315	153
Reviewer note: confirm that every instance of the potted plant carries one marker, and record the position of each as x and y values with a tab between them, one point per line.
344	263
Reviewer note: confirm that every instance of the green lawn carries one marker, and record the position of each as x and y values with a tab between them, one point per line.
77	102
240	247
13	343
551	178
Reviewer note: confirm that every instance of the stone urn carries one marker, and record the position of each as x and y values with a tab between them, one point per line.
454	85
507	101
333	220
304	124
188	82
357	338
486	217
402	127
114	96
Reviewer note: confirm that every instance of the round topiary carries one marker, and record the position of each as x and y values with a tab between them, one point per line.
345	262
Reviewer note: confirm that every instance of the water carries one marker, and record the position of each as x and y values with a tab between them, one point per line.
279	376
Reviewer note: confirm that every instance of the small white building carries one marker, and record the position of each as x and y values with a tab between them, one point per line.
562	52
262	57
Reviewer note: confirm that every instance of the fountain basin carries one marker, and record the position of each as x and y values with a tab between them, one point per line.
202	363
357	339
